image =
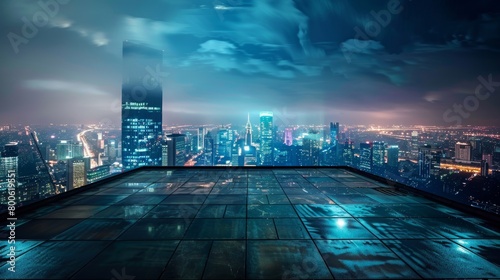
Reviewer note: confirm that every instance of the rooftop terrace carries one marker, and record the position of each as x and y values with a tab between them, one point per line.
249	223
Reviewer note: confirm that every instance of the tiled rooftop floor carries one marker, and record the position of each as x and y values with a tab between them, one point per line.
263	223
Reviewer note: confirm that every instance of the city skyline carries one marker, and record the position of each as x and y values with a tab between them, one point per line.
304	61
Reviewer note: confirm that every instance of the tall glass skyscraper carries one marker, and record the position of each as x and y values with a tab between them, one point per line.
266	139
142	98
334	133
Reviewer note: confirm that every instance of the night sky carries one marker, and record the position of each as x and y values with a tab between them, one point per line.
308	61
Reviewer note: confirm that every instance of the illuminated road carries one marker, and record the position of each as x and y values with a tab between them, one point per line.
463	168
87	151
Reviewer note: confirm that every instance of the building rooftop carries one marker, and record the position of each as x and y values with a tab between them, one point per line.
274	223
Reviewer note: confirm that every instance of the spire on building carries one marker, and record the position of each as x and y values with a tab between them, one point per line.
248	135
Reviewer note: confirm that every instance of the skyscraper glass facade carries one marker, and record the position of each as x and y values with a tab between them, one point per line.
142	98
266	139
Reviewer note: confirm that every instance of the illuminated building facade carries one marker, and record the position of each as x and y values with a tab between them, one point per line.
266	157
142	98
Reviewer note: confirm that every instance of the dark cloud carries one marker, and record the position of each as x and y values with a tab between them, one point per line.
309	61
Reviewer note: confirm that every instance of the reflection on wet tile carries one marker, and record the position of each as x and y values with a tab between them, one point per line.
418	210
400	228
59	261
188	261
291	229
137	259
352	199
393	199
74	212
442	259
271	211
184	199
159	229
458	228
285	259
116	191
211	211
100	200
22	246
310	199
320	210
336	228
184	211
226	199
369	210
486	248
229	190
124	212
302	191
95	229
265	190
365	259
141	199
217	229
278	199
257	199
261	229
236	211
41	229
226	260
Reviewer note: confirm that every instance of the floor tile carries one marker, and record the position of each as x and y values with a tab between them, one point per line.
271	211
95	229
487	248
217	229
127	259
363	259
336	228
188	260
226	260
156	229
398	228
320	210
442	259
43	229
261	229
58	259
285	259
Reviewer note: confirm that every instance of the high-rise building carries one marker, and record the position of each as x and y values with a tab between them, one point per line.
77	172
393	157
414	145
366	156
209	153
484	168
248	132
347	153
98	173
288	136
63	150
334	133
266	155
9	161
378	155
142	98
311	149
488	158
221	142
463	151
201	138
429	161
176	149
